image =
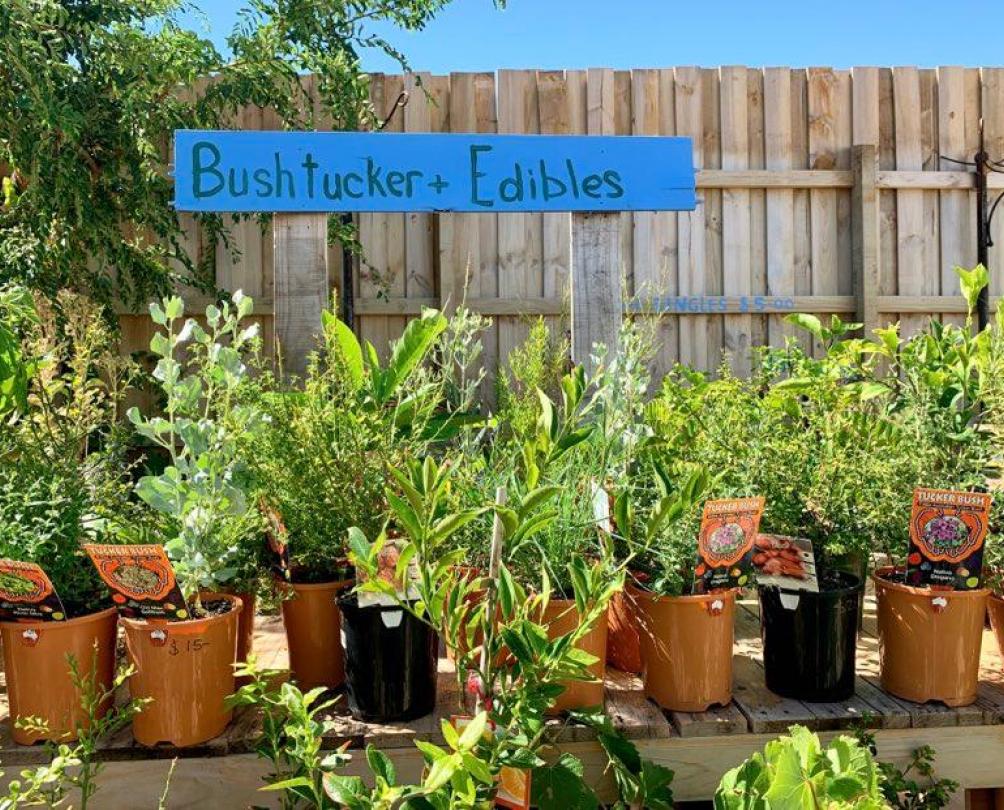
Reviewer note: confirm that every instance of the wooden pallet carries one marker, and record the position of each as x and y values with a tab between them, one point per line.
683	740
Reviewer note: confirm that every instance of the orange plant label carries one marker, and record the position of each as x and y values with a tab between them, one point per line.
725	543
513	784
947	530
27	593
142	580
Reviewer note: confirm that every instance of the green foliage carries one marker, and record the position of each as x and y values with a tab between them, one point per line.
90	97
914	787
796	772
76	766
323	461
63	460
202	493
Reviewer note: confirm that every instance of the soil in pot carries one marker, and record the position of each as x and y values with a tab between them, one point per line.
561	618
809	639
623	641
686	644
995	608
313	626
187	669
39	683
929	640
390	662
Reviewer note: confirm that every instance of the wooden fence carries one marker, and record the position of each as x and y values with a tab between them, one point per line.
825	191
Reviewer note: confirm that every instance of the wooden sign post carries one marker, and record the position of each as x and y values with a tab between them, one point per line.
302	176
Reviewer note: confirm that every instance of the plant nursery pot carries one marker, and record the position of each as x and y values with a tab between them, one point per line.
623	642
929	640
390	662
313	625
995	607
38	676
809	639
245	625
686	646
187	669
561	618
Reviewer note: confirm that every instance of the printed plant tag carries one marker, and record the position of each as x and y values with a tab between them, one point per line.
278	539
601	508
725	543
142	580
513	783
787	562
27	593
947	530
387	565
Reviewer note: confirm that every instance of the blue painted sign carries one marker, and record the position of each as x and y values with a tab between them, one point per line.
364	171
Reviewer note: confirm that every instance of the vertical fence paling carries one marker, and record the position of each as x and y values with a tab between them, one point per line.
879	230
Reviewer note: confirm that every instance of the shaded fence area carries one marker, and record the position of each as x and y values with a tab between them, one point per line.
821	190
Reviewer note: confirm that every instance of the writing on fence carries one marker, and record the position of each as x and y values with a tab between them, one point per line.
374	172
676	304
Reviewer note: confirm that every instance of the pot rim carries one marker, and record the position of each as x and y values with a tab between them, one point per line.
76	621
236	606
996	597
925	592
694	598
859	585
332	585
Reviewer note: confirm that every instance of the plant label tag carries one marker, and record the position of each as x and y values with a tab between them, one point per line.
601	508
787	562
142	580
388	565
947	530
277	538
27	594
725	543
513	784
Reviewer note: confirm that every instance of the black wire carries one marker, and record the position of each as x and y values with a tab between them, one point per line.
402	100
956	160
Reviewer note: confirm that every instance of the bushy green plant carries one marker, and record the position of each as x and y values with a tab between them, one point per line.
202	495
795	772
63	461
323	461
915	787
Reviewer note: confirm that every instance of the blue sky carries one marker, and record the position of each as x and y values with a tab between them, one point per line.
473	35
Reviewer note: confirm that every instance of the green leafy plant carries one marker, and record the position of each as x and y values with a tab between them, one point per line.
795	771
63	457
915	787
76	766
202	493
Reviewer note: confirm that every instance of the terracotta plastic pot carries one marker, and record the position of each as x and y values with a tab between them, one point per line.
929	641
810	639
623	642
313	625
38	677
686	646
561	618
995	606
187	668
245	624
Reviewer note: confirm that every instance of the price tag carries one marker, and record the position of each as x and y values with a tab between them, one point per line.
278	539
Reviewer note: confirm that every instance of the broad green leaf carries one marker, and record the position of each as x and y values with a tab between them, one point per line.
349	349
809	323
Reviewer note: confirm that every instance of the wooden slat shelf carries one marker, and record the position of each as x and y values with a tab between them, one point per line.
673	738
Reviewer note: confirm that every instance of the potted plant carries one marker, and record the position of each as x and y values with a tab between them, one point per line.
686	637
201	498
61	463
322	465
931	612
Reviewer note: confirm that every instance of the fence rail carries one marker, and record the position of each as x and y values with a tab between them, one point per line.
821	190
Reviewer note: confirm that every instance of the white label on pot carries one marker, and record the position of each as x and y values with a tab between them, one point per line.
718	604
789	601
391	618
939	602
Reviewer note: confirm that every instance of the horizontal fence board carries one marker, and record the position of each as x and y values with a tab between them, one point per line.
773	232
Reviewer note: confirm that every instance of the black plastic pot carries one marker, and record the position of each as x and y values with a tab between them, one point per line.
390	662
809	639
